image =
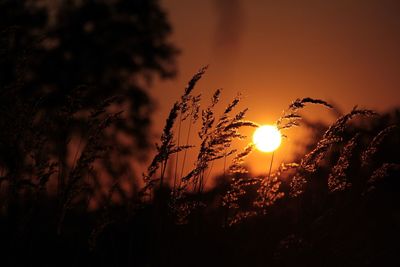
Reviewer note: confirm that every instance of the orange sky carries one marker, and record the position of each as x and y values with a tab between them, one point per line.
344	51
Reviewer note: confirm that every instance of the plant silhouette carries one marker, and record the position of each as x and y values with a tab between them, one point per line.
61	60
74	112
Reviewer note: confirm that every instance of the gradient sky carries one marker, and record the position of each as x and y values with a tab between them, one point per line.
343	51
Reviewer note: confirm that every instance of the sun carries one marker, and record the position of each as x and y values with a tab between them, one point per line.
267	138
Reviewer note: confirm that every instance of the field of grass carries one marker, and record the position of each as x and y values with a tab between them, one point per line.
334	206
75	118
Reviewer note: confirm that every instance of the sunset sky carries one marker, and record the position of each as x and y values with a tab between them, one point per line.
273	52
164	133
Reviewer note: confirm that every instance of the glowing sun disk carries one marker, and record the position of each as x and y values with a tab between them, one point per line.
267	138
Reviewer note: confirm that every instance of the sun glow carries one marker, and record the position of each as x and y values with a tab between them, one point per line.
267	138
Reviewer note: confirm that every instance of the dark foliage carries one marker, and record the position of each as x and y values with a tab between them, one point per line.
78	74
69	56
74	113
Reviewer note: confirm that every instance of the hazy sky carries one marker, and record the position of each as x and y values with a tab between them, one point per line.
343	51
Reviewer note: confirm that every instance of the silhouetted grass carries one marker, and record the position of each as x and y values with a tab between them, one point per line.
321	206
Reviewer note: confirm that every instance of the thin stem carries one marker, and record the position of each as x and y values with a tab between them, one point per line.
187	143
195	182
270	166
201	182
209	172
185	152
163	168
177	154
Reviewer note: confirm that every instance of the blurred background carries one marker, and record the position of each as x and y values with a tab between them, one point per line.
85	90
345	52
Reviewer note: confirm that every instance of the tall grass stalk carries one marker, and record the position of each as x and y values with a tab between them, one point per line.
177	154
187	143
270	165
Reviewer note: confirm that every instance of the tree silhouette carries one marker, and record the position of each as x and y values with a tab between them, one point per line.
62	59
